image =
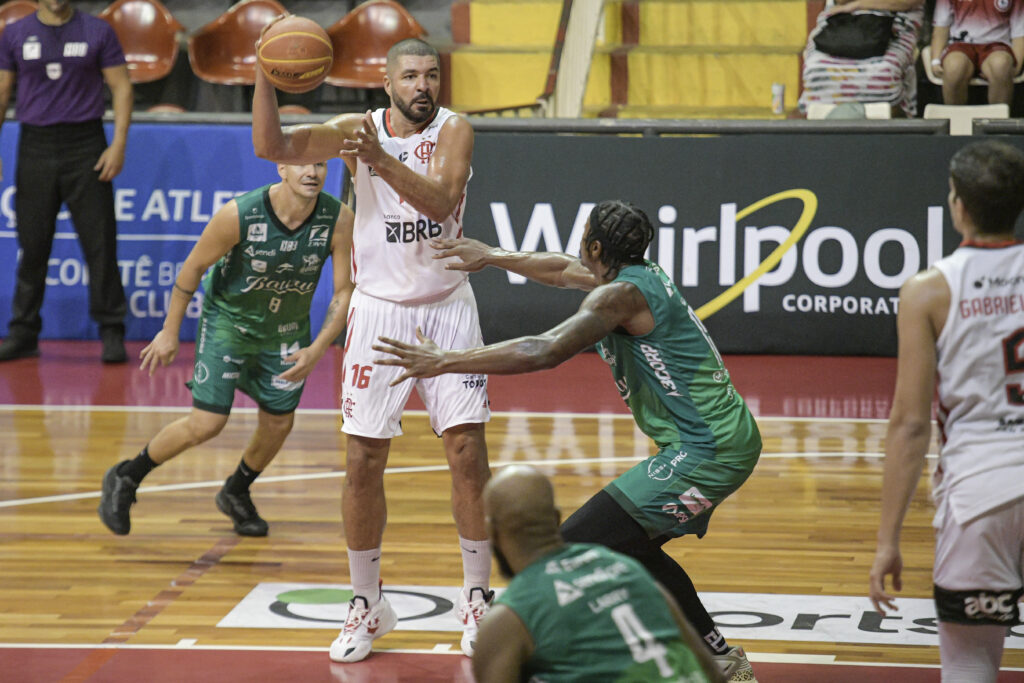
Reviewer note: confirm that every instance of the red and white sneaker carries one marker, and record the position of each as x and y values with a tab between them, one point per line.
471	609
362	626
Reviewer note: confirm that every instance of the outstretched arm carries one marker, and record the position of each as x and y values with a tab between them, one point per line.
910	428
305	144
334	321
604	309
218	237
548	268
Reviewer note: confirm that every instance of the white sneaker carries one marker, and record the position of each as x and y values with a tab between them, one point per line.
362	626
470	610
734	665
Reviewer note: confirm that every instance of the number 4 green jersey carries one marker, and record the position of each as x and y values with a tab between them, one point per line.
596	616
263	287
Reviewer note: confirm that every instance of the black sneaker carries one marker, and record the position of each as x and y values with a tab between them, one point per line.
239	507
116	501
113	345
18	347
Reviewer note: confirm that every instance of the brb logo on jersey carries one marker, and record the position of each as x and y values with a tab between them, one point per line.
411	231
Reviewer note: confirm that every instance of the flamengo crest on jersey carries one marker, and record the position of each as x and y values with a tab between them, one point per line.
981	379
391	256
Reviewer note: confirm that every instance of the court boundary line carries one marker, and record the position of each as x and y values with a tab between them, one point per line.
414	413
756	657
412	469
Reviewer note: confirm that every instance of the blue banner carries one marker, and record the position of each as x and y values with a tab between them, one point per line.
174	179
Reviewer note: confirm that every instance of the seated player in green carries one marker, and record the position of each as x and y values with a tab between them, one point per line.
269	246
666	369
574	611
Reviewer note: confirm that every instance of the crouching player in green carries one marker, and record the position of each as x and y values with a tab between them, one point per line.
269	246
574	611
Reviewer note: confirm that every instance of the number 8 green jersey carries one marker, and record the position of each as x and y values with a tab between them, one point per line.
596	615
263	287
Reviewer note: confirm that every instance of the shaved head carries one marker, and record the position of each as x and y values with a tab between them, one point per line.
413	47
519	503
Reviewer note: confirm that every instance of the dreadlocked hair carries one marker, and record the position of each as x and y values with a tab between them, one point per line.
623	231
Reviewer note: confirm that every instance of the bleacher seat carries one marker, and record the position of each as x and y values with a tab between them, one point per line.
12	10
961	117
361	41
849	110
149	37
224	50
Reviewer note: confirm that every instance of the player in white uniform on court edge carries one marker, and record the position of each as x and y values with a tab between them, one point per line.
411	165
963	321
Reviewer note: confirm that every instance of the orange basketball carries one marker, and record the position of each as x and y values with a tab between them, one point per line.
295	54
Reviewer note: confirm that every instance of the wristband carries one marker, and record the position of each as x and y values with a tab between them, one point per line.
936	62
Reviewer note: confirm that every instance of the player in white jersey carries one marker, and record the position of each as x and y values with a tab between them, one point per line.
963	319
411	164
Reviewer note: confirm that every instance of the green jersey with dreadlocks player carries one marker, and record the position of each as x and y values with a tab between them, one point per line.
666	368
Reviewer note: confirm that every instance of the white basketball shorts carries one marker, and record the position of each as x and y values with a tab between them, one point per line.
986	553
373	408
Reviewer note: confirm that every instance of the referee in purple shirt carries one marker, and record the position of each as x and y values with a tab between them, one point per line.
60	59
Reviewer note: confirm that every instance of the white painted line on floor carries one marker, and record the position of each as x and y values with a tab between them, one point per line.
415	413
186	642
309	476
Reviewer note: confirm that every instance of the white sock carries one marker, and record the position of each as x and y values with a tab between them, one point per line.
970	652
476	564
364	569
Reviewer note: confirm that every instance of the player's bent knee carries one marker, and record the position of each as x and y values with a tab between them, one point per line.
204	426
978	606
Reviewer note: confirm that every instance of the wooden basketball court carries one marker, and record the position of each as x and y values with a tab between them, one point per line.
80	604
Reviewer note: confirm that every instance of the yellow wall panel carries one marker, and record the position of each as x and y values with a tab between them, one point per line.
497	79
514	23
762	23
598	82
709	80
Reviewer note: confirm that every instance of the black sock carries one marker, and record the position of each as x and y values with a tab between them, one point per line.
137	468
243	477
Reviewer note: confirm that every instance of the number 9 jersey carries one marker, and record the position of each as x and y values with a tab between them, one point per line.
981	379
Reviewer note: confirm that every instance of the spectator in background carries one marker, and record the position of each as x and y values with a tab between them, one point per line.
983	37
890	77
61	58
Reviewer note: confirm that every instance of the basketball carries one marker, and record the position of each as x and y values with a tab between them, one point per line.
295	54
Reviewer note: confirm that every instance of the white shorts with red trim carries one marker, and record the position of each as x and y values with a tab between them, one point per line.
373	408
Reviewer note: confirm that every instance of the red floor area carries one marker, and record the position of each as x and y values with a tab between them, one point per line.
69	373
199	666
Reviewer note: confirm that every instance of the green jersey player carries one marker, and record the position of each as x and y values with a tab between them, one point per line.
267	248
667	370
574	612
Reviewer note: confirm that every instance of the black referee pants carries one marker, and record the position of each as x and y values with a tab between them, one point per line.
55	165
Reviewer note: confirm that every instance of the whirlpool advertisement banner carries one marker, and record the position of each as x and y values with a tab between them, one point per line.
782	243
174	179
